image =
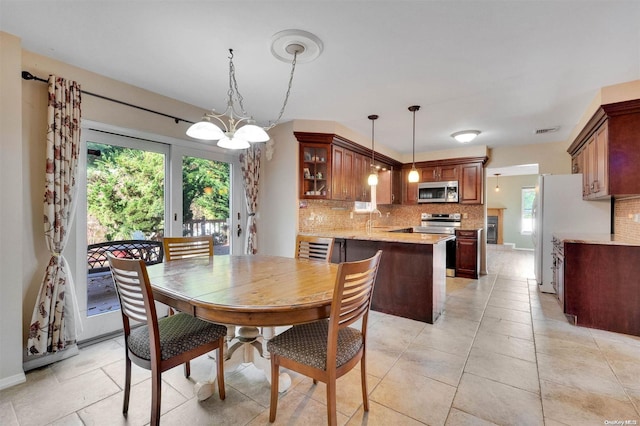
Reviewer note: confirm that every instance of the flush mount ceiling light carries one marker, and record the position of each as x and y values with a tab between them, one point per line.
465	136
234	128
414	176
373	176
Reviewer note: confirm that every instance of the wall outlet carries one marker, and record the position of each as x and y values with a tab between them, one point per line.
465	215
636	217
350	215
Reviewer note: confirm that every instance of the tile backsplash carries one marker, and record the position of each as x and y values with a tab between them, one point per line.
623	223
328	215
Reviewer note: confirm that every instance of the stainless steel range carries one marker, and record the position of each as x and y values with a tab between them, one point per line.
438	223
442	223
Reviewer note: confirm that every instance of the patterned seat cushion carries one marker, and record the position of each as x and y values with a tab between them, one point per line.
178	334
307	344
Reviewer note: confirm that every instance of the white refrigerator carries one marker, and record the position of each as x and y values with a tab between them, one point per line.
559	207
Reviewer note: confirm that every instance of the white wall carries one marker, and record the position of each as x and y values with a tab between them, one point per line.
278	195
11	212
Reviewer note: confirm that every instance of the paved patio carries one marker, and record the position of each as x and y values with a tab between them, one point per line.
101	293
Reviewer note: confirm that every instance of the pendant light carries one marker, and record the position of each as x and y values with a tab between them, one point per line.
414	176
497	175
373	176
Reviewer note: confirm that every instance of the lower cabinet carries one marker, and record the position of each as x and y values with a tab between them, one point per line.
602	286
411	280
468	253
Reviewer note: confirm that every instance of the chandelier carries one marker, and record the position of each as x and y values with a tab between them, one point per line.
234	128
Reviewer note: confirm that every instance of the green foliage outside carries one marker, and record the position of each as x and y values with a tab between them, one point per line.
205	186
125	192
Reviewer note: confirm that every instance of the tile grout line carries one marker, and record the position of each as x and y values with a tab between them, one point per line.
470	349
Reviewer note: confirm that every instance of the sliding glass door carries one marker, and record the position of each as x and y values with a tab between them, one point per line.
206	192
135	191
123	206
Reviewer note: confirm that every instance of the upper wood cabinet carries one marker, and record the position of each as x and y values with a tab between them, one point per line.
607	152
361	171
315	171
468	171
389	189
343	170
470	183
410	189
342	174
440	173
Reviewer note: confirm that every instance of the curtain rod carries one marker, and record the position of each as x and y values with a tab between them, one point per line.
26	75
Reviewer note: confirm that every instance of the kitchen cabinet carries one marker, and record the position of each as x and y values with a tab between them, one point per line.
361	171
468	253
314	171
411	280
343	167
410	189
439	173
600	290
593	157
342	174
468	171
470	183
389	189
607	152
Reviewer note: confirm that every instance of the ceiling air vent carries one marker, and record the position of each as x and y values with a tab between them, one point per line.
547	130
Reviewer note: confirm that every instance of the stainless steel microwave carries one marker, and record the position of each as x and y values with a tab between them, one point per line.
438	192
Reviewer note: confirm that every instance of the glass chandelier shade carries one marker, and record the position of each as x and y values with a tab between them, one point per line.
205	130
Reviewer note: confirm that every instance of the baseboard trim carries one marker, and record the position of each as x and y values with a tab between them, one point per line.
10	381
31	363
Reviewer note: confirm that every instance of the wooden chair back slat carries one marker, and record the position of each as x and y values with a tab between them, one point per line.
314	248
184	247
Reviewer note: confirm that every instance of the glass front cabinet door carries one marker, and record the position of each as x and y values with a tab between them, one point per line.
314	171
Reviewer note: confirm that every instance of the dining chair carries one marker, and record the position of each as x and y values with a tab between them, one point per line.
327	349
182	247
158	344
314	248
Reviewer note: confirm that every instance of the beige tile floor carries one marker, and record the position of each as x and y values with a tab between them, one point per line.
501	354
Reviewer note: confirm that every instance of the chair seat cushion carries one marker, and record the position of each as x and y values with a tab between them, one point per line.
307	344
178	334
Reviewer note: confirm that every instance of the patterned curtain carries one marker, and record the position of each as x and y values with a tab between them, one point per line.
250	163
55	321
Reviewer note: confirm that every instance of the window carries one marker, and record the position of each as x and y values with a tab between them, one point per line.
526	210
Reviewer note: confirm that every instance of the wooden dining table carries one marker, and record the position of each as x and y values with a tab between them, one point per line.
251	294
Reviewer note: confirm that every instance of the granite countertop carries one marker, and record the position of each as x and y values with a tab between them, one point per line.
382	233
586	238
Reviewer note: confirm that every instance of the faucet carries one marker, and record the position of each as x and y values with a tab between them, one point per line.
369	224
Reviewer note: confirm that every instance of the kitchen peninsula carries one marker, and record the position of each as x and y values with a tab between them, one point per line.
597	279
411	279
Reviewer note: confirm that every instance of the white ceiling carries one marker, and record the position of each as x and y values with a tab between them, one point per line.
506	68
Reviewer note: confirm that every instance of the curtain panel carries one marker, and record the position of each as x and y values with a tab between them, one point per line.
250	165
55	322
